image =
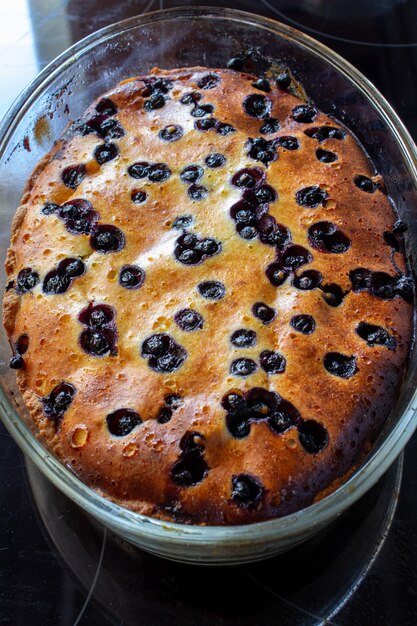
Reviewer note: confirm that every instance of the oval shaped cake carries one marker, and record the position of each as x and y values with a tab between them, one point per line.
208	301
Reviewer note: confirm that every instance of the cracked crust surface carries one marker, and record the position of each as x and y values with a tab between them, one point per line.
136	470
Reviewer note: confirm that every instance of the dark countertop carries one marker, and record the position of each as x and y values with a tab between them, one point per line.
58	566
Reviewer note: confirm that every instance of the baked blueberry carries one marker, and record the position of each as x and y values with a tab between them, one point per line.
49	208
333	294
304	113
340	365
212	289
257	105
26	280
310	279
248	178
270	126
247	490
321	133
272	362
288	142
173	132
311	197
158	172
156	101
215	160
294	257
263	312
79	216
106	152
188	320
131	276
376	336
208	81
97	316
95	342
73	175
304	324
191	173
224	129
197	192
201	110
262	84
191	97
271	233
107	238
365	184
243	367
139	169
236	63
139	196
326	156
60	278
313	436
276	274
182	222
58	401
191	467
262	150
360	278
106	107
243	338
163	353
283	417
283	80
164	415
121	422
327	237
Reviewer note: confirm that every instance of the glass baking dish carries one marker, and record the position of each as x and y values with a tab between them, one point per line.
209	37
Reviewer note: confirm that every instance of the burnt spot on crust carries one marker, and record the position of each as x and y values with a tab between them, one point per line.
340	365
247	491
58	401
121	422
73	175
100	336
191	467
26	280
60	278
375	336
192	250
164	354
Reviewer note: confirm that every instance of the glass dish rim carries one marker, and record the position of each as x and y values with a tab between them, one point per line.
378	459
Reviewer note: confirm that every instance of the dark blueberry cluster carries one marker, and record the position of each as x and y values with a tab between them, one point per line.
381	284
394	237
340	365
262	150
251	212
155	90
376	336
154	172
211	123
189	320
258	405
101	123
100	336
288	142
247	490
78	215
191	466
73	175
321	133
121	422
58	401
26	280
131	277
60	278
163	353
327	237
288	260
192	250
19	349
172	402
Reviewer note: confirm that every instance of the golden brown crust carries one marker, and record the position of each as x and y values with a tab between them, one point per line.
136	470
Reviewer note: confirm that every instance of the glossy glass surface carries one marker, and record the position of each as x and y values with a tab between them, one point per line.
209	37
